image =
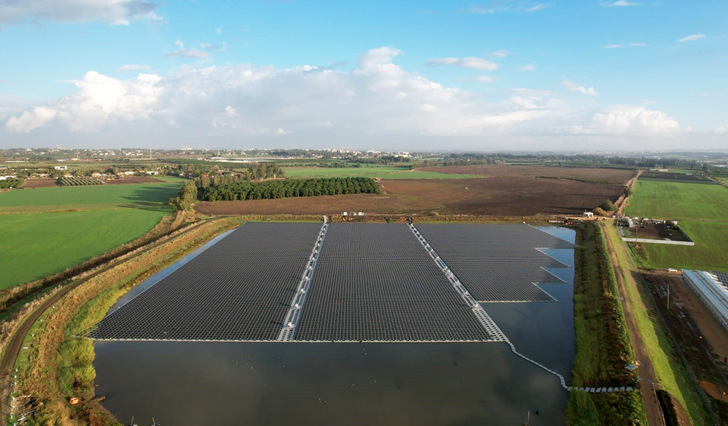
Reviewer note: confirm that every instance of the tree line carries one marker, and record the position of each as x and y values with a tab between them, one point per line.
246	190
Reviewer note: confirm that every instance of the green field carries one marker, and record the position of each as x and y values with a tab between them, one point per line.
47	230
384	172
702	212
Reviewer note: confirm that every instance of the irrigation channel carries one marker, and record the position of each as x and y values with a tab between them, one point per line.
366	373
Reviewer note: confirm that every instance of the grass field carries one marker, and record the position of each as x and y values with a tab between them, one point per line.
702	212
384	172
47	230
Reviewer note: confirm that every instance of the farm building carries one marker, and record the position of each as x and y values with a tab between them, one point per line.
712	288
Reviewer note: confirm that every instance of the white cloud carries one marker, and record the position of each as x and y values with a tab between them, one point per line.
692	37
376	104
218	30
100	99
579	89
116	12
721	130
619	46
518	6
537	7
528	67
30	120
502	53
184	52
625	119
468	62
621	3
484	79
133	67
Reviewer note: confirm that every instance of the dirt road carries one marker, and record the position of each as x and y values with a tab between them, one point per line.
630	185
648	380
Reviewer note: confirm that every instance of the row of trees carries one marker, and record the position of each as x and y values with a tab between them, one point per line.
10	183
289	188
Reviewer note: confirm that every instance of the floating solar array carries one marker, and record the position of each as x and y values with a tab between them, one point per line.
351	282
375	282
497	263
240	289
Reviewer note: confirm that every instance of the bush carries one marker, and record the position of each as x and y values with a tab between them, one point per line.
609	206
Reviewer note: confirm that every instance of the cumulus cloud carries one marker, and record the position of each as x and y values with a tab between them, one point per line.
30	120
528	67
100	99
467	62
376	102
619	46
484	79
691	37
570	85
116	12
625	119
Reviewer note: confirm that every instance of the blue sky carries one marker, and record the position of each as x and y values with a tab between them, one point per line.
481	75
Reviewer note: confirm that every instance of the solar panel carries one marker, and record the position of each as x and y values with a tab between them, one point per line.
375	282
238	289
497	263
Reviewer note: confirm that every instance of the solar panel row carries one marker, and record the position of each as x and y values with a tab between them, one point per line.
375	282
497	263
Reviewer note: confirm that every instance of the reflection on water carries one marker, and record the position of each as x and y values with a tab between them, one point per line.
325	384
353	384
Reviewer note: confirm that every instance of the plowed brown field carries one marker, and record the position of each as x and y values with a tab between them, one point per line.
497	196
616	176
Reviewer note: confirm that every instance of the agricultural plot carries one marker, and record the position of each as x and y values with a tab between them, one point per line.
496	195
51	229
700	210
382	172
497	263
79	181
238	290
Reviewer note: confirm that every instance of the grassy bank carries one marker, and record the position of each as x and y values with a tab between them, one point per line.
56	364
603	348
671	373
